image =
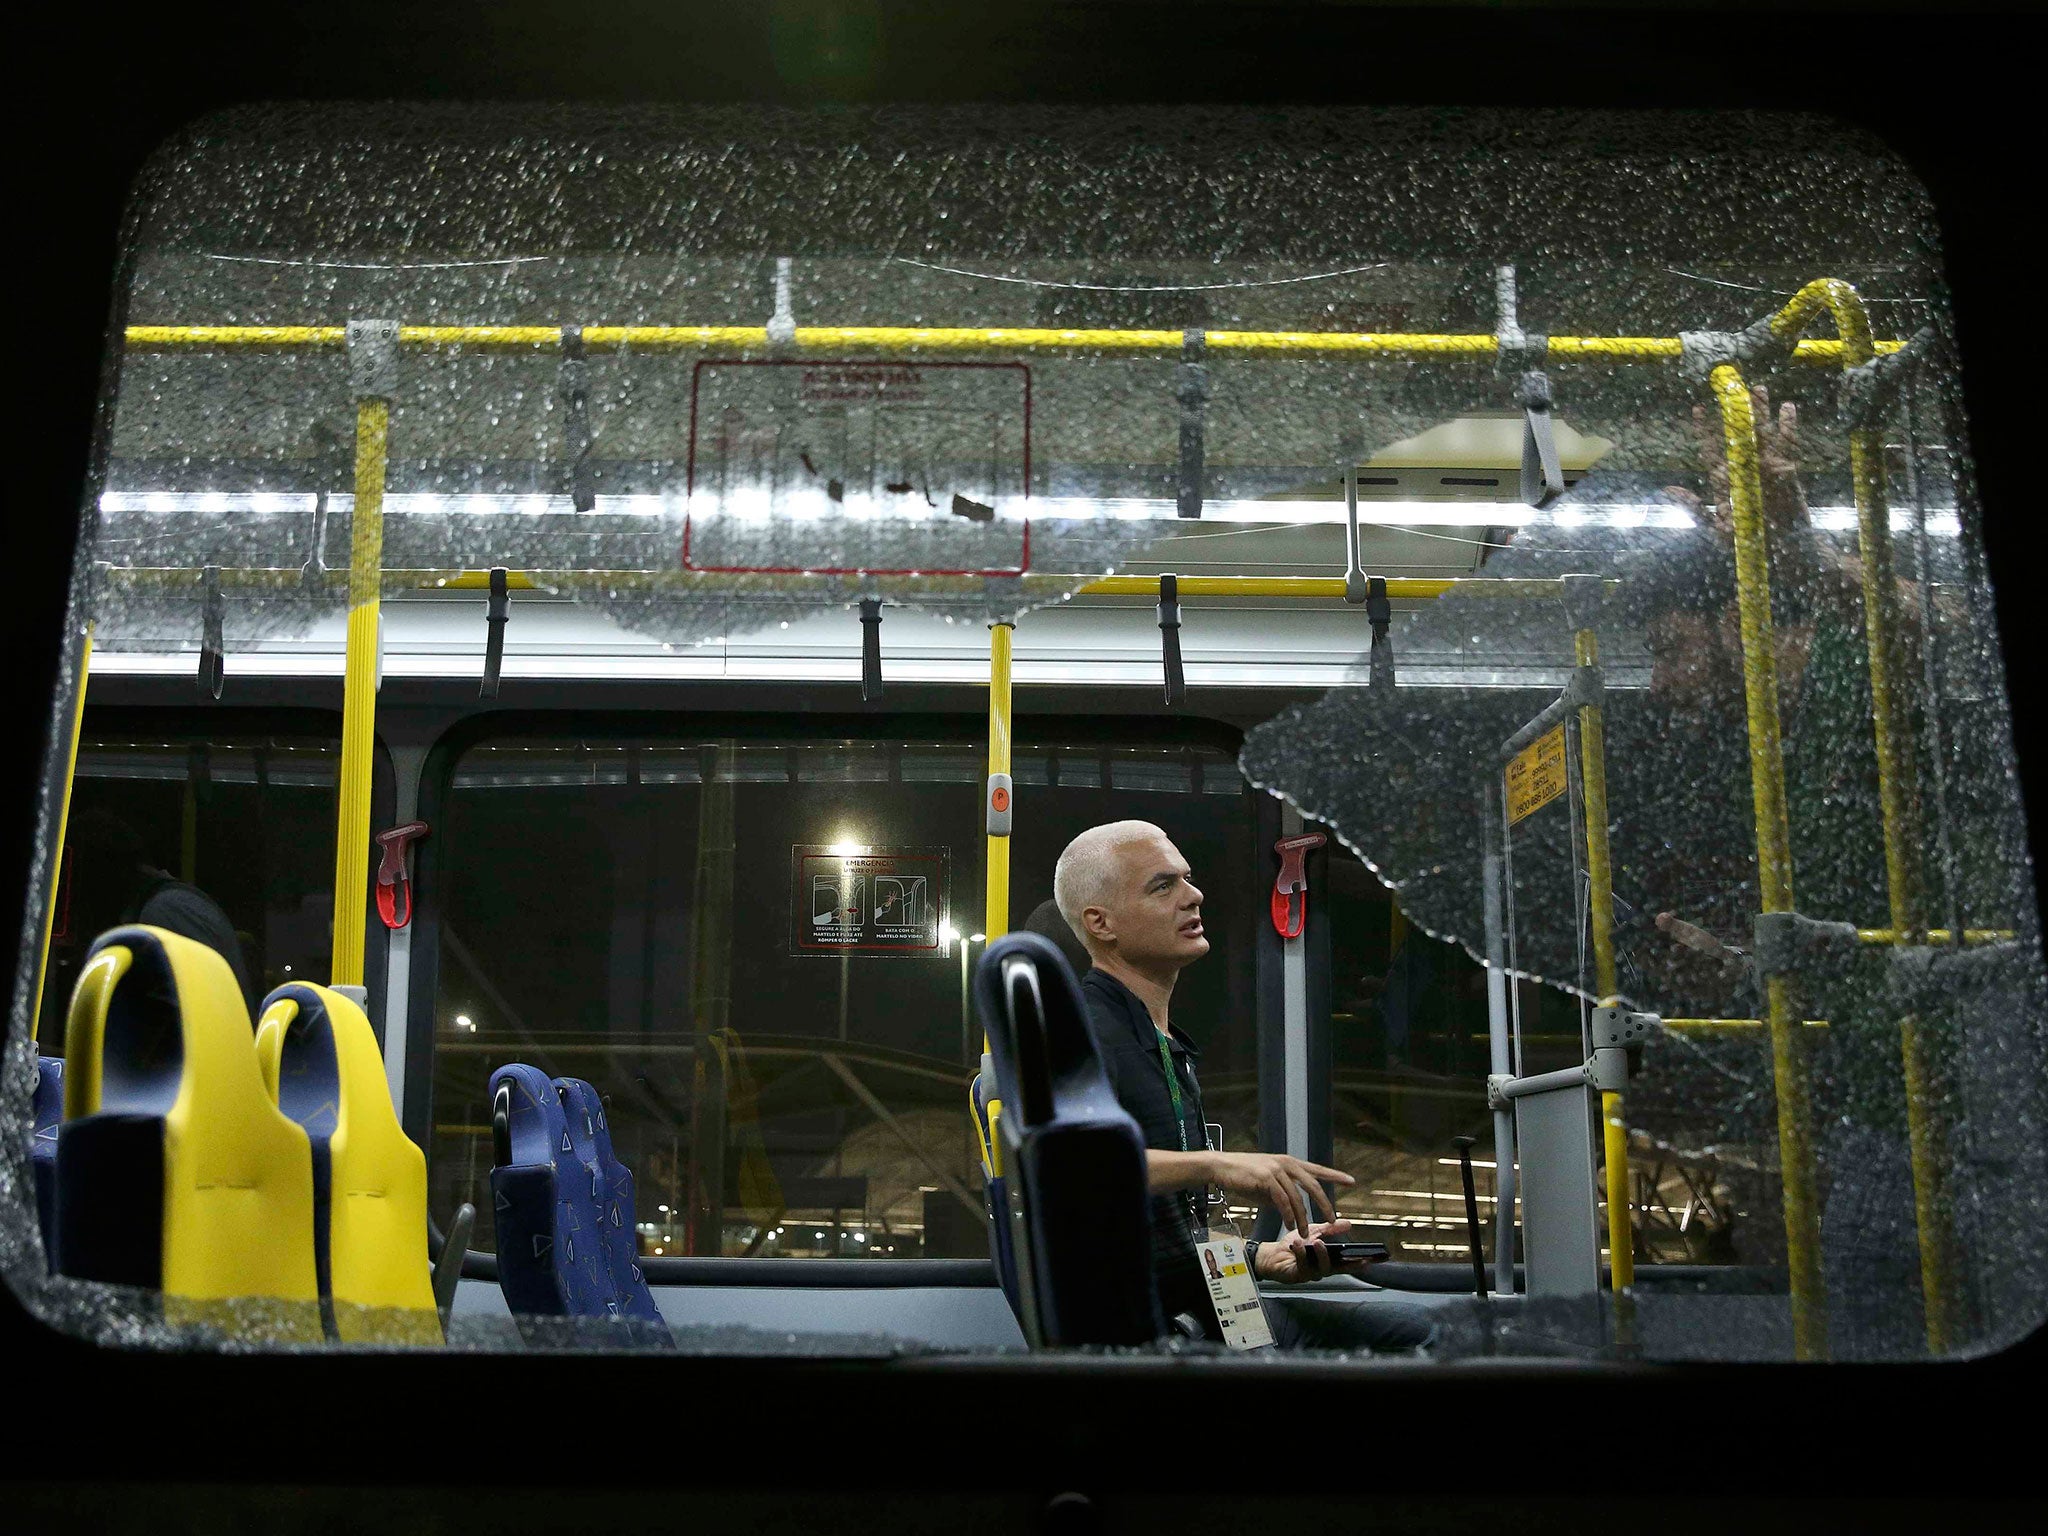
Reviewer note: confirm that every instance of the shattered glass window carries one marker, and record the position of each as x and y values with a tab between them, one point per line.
1672	762
1586	750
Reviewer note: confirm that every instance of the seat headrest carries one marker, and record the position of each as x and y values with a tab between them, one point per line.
307	1062
1040	1042
585	1109
539	1127
151	1009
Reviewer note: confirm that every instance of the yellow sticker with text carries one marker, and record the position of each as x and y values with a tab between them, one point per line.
1536	775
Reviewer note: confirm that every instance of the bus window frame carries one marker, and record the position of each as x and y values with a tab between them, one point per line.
641	723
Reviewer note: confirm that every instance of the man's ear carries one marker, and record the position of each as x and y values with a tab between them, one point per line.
1097	926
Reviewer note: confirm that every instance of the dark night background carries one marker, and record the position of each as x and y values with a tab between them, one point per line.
477	1444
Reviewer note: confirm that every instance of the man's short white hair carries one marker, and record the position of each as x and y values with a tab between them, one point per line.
1086	873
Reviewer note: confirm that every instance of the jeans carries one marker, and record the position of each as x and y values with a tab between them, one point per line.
1379	1321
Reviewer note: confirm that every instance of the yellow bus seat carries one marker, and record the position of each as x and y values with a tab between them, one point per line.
324	1071
175	1172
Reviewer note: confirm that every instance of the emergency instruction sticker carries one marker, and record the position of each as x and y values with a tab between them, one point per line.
877	901
1234	1292
816	464
1536	775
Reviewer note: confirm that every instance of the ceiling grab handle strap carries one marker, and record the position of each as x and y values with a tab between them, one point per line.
1356	588
1169	639
495	615
1542	474
870	648
1379	613
1521	353
1290	886
573	386
212	647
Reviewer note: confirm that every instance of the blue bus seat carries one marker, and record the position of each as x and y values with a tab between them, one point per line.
175	1171
323	1069
544	1204
42	1149
1073	1159
612	1185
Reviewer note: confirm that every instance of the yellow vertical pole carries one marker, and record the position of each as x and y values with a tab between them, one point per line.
1890	728
374	383
999	808
1773	855
1896	796
63	825
996	915
1600	879
1896	774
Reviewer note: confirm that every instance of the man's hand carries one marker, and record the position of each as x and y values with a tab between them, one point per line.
1299	1256
1694	937
1279	1179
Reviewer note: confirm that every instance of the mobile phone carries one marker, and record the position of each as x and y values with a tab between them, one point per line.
1351	1253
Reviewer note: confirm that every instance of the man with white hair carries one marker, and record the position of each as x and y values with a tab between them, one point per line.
1130	898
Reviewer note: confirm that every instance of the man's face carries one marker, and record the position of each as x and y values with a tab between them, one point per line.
1155	913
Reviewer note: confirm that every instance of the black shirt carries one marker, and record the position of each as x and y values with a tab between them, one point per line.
1129	1043
185	909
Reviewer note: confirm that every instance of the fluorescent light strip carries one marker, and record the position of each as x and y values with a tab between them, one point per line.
326	660
1419	514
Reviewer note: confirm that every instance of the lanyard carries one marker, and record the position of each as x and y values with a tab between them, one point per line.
1198	1230
1180	1119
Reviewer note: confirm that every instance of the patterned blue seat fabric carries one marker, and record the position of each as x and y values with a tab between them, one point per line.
612	1187
42	1149
567	1242
550	1258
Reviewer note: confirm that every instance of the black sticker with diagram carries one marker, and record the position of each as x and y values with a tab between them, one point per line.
869	900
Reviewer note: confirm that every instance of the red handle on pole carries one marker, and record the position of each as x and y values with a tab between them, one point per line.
394	884
1290	889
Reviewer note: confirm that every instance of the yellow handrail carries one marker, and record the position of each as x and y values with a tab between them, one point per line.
1893	740
1936	935
359	693
995	920
899	338
1729	1026
1773	855
1600	903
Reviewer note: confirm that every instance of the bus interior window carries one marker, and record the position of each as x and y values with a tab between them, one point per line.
633	912
220	834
